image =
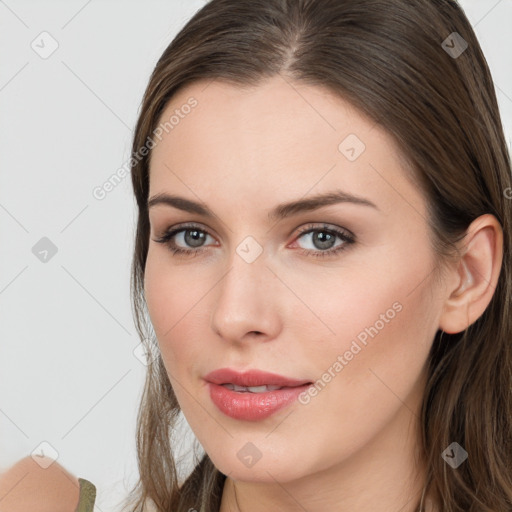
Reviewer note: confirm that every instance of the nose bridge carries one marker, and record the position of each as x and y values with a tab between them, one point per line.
243	302
247	267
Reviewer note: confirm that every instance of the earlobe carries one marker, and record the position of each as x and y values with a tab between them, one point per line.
477	271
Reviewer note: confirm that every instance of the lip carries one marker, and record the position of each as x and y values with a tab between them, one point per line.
252	406
251	378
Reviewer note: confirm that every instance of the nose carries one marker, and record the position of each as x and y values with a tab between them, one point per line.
246	302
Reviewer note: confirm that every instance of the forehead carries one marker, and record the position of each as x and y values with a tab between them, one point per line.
279	136
276	115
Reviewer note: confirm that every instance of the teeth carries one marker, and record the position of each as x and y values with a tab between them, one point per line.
251	389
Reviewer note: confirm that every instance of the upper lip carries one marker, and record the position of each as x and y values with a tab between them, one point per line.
251	378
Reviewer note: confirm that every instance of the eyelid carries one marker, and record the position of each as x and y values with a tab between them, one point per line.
311	226
318	226
185	225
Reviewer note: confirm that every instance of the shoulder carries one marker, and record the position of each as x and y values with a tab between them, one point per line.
87	496
30	486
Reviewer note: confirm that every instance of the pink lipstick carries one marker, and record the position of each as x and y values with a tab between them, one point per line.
252	395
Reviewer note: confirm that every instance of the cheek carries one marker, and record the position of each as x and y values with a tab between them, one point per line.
372	369
175	304
380	316
384	331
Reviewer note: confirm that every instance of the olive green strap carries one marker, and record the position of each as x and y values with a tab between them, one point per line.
87	496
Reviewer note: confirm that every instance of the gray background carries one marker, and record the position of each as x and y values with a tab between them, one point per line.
68	373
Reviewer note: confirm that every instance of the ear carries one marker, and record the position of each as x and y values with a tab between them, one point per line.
475	276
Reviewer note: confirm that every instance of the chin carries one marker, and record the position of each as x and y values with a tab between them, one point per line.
265	472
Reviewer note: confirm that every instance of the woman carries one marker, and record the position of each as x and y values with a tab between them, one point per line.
323	252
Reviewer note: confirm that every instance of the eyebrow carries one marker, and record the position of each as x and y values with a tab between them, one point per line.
279	212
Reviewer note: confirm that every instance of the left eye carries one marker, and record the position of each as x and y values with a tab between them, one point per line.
190	240
322	239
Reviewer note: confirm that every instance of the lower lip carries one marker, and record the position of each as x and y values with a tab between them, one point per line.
253	406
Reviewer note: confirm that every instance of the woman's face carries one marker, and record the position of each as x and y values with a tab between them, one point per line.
288	293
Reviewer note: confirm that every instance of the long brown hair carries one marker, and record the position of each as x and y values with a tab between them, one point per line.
392	60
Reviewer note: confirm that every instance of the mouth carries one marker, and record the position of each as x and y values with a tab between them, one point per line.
252	395
252	379
252	389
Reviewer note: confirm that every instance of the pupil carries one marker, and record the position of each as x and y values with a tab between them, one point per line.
324	240
194	237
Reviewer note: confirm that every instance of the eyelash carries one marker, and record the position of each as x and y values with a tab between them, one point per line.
167	237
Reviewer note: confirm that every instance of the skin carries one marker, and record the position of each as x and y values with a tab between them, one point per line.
30	486
354	446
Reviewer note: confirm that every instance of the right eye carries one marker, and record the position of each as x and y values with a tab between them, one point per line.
182	239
